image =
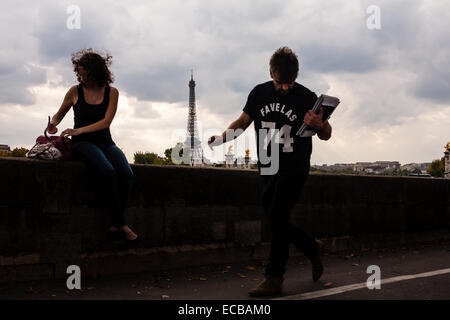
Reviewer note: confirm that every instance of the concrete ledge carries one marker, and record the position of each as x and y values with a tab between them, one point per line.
49	217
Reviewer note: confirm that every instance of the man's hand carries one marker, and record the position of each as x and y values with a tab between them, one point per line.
215	141
314	120
70	132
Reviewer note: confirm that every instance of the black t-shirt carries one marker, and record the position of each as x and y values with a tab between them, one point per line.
86	114
270	109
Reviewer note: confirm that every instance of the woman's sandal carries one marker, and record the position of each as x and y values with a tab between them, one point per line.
115	235
137	240
122	235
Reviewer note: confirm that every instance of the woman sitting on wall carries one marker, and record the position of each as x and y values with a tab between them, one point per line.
94	104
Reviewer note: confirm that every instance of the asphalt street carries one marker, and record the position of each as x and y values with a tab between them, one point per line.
232	282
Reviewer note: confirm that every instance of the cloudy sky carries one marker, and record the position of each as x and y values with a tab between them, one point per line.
393	81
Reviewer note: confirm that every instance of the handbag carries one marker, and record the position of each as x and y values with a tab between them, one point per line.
51	147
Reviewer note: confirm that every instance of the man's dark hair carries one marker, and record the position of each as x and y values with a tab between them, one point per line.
95	65
284	64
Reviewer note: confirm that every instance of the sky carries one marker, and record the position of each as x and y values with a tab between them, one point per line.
387	61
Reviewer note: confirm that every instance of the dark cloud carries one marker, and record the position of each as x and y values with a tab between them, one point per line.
15	82
433	85
155	44
57	42
334	59
413	39
163	83
400	22
240	85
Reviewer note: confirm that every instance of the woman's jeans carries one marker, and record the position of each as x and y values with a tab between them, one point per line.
114	172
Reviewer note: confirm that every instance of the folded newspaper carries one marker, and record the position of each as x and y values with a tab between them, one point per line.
328	103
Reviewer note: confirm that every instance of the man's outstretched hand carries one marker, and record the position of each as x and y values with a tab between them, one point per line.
214	141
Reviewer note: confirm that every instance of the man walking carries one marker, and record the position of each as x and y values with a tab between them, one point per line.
278	109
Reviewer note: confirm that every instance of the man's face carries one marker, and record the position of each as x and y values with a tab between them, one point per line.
282	87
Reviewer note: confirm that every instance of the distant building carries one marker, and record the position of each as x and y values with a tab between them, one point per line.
240	162
229	158
376	167
5	148
447	161
234	162
335	167
416	166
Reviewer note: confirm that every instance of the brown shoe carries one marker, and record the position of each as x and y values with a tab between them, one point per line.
269	287
317	267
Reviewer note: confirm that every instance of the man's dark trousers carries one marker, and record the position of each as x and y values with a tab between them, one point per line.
280	194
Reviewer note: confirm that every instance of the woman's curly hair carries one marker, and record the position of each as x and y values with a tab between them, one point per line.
95	65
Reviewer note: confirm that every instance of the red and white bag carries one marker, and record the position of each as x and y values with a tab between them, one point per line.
51	148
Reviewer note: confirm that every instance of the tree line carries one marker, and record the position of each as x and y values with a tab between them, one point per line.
436	168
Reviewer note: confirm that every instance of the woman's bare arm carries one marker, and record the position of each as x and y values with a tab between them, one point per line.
67	103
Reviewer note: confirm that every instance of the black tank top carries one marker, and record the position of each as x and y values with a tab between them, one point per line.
86	114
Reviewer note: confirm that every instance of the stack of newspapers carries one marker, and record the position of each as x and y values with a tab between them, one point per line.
328	103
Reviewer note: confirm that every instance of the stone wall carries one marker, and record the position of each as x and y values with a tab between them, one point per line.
50	217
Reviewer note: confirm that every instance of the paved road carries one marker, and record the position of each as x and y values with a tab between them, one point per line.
232	282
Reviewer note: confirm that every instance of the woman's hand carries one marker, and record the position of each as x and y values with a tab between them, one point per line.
70	132
51	128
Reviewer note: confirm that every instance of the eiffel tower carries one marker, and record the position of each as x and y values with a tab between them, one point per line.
193	143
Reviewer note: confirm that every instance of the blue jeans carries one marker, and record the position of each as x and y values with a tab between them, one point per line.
114	172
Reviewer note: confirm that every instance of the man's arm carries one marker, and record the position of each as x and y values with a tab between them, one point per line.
234	129
325	132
